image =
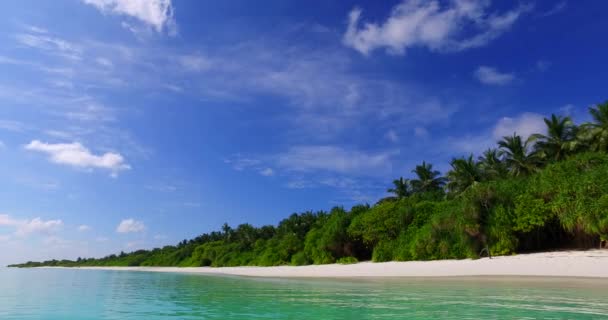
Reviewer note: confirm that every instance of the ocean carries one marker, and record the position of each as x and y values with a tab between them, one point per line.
98	294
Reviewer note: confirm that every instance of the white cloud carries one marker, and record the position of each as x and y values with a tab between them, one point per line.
130	225
192	204
543	65
55	241
194	62
155	13
421	132
557	8
567	109
83	228
14	126
240	163
91	112
267	172
76	155
161	187
420	23
491	76
524	125
26	227
333	159
392	136
134	244
36	29
51	45
105	62
160	237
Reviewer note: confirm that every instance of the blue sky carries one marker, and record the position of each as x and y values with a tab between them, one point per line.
131	124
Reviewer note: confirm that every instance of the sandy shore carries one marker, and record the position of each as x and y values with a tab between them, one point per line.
593	263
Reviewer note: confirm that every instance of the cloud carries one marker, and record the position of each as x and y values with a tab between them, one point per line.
33	226
240	163
418	23
105	62
543	65
491	76
267	172
194	62
421	132
524	125
161	187
392	136
76	155
134	244
91	112
50	45
14	126
36	29
557	8
333	159
192	204
130	226
155	13
83	228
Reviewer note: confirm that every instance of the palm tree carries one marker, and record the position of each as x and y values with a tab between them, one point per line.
595	134
559	141
227	231
465	172
518	159
428	179
402	188
492	165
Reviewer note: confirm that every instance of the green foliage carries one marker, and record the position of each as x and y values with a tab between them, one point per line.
383	251
530	213
347	260
522	197
299	259
465	172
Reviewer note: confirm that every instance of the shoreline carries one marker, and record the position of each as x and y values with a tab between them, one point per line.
578	264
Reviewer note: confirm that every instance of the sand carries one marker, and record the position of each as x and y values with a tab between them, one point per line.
593	263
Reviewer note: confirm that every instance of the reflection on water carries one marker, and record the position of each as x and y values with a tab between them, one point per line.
92	294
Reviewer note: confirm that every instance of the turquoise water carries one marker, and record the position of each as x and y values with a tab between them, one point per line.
93	294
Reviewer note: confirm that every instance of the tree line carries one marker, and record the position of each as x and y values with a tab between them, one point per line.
548	191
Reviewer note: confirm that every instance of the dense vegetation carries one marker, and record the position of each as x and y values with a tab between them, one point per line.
549	191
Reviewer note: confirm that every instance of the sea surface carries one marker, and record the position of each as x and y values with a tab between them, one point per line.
97	294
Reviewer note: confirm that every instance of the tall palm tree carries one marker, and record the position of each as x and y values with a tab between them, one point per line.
559	141
519	160
465	172
492	165
428	179
595	134
402	188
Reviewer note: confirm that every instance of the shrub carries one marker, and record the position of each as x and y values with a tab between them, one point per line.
347	260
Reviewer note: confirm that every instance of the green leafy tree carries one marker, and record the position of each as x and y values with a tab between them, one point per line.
464	173
401	189
595	134
492	165
428	180
519	160
560	140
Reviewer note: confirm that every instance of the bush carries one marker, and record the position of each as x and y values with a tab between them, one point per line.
347	260
299	259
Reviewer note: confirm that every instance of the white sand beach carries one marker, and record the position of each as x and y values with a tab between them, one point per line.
592	263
